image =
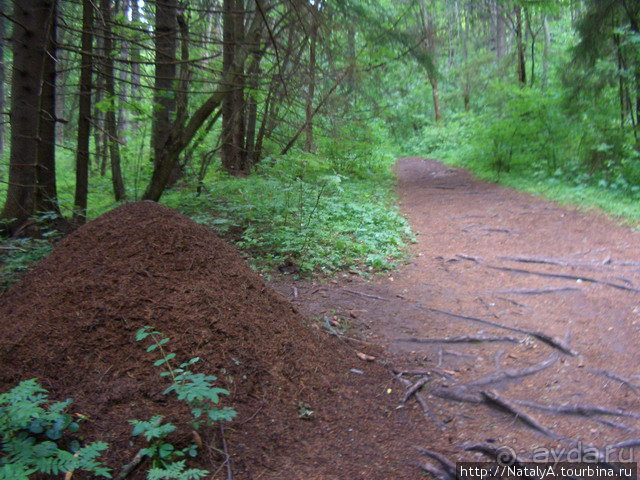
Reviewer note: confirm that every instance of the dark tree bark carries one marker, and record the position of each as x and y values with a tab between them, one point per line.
500	31
522	70
3	34
84	115
28	45
233	153
111	125
46	192
311	85
166	31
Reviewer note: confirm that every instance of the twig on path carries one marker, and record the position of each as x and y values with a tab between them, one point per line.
131	466
512	373
413	388
462	339
543	337
613	376
471	258
227	461
564	276
366	295
493	399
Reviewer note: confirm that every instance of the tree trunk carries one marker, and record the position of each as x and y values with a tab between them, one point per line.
545	51
311	85
522	70
111	125
46	193
500	31
28	44
233	110
436	97
3	34
252	107
165	39
84	115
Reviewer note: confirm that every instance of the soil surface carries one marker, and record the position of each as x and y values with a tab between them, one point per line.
531	312
556	290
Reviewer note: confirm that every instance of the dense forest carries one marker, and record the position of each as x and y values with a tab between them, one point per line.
256	116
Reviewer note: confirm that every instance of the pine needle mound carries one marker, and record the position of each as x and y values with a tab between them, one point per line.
71	323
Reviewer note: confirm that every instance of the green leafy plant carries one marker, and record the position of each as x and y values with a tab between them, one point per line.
195	389
37	436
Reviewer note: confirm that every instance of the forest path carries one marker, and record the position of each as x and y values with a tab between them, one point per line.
497	255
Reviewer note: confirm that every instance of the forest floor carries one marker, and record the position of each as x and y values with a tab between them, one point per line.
520	318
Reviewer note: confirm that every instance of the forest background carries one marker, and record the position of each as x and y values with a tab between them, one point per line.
276	122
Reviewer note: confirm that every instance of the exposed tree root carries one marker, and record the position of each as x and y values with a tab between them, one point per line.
447	465
413	390
437	473
354	292
634	442
573	409
512	373
633	387
538	291
462	339
564	276
543	337
493	399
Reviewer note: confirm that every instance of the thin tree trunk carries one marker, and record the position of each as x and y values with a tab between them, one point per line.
545	51
28	46
3	34
46	193
436	97
84	115
500	31
111	125
311	86
522	71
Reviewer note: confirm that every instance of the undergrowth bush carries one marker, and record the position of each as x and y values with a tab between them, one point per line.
317	214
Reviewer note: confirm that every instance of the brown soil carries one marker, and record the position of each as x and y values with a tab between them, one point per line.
71	323
72	320
465	227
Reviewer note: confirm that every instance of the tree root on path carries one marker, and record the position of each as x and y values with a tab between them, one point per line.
575	409
543	337
613	376
512	373
446	465
564	276
493	399
462	339
538	291
412	389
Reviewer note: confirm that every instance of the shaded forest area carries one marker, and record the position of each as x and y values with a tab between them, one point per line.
308	102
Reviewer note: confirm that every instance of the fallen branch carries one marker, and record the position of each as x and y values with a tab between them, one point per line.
413	388
512	373
633	387
227	461
131	466
543	337
462	339
564	276
493	399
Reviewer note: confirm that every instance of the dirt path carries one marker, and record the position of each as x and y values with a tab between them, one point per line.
497	255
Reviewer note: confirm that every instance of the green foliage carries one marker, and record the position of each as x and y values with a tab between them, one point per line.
37	436
321	214
18	255
195	389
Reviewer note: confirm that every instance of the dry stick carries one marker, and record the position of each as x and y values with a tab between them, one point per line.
512	373
618	378
462	339
493	399
131	466
431	371
564	276
227	461
366	295
543	337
